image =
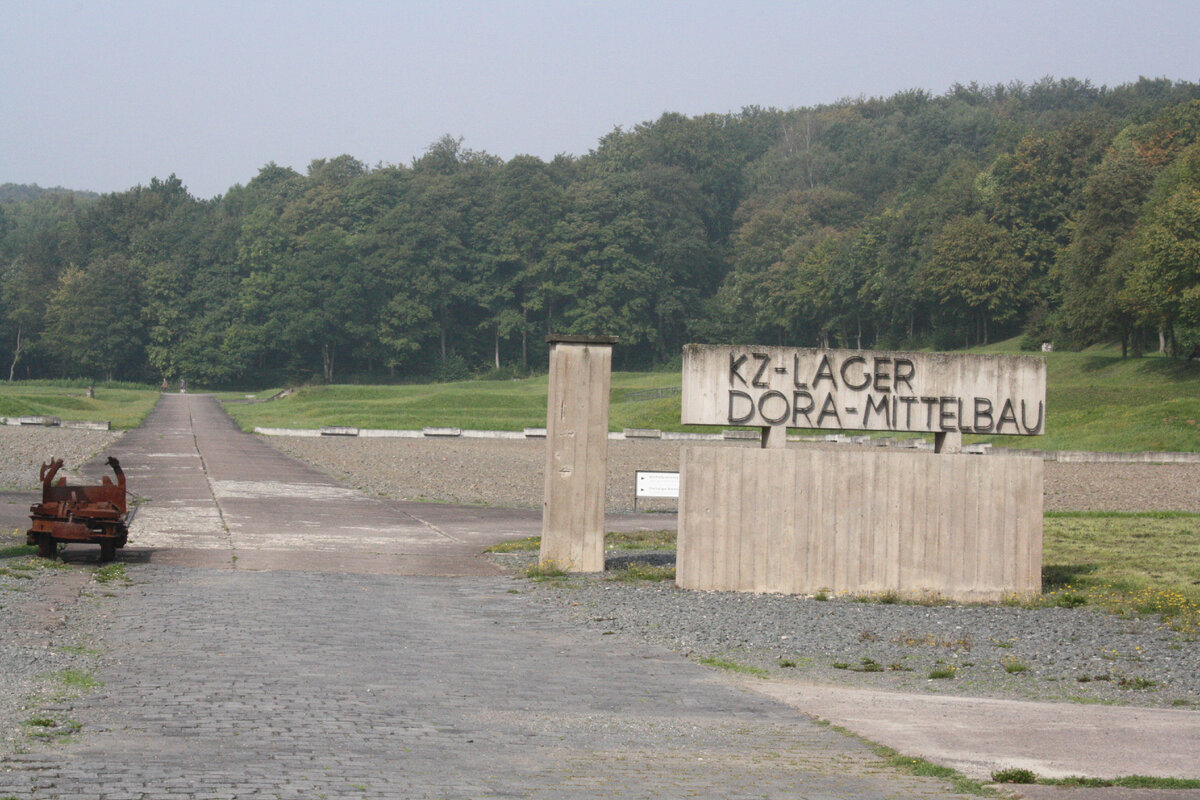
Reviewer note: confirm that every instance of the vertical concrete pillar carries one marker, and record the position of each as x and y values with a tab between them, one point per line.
576	451
774	437
948	442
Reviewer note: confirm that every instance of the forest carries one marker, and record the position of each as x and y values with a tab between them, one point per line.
1060	211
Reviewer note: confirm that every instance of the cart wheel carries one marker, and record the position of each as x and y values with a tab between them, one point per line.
46	546
108	551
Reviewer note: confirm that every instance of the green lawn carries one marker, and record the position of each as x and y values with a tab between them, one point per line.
1125	562
125	405
477	405
1095	401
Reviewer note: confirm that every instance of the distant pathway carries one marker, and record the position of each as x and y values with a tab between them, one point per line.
290	671
218	497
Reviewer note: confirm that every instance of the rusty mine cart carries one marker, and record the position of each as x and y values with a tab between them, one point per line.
95	514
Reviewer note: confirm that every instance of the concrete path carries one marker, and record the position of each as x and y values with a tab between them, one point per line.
216	497
978	736
285	637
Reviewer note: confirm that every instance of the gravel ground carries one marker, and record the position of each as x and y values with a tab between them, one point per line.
510	472
1075	655
36	642
24	449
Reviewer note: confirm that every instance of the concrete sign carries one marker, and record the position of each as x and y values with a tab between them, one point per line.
773	387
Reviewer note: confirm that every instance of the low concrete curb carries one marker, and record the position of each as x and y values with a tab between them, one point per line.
643	434
55	422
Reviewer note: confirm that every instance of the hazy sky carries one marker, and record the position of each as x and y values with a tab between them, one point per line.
107	95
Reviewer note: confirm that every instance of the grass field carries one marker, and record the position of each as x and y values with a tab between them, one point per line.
479	405
1095	401
1126	563
125	405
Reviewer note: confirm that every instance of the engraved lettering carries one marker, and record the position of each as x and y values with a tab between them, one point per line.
983	415
882	407
798	411
734	367
1037	426
762	410
824	372
799	384
882	376
866	376
766	359
1007	414
946	418
930	402
733	418
828	409
903	373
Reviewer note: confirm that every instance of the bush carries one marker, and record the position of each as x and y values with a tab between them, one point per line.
453	368
509	372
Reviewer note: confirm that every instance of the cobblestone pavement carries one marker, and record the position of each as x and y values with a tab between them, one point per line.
231	684
230	671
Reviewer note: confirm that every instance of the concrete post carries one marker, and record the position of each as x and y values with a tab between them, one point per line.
948	442
576	452
773	437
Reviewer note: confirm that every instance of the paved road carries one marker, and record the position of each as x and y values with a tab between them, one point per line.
285	637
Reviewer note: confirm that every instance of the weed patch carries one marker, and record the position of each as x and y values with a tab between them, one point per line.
111	573
927	769
640	540
1014	775
733	666
1014	666
17	550
663	540
641	571
530	544
546	572
49	729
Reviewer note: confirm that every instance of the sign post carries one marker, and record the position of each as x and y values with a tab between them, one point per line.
803	520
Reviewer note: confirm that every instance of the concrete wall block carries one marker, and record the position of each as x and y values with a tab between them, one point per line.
860	522
87	425
338	430
445	432
642	433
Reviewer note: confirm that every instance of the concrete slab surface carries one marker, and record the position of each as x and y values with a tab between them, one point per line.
978	736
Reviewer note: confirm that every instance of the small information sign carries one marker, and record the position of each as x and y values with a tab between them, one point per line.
655	484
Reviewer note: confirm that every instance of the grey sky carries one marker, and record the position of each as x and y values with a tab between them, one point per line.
107	95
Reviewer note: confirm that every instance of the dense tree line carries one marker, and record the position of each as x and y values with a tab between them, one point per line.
1063	210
